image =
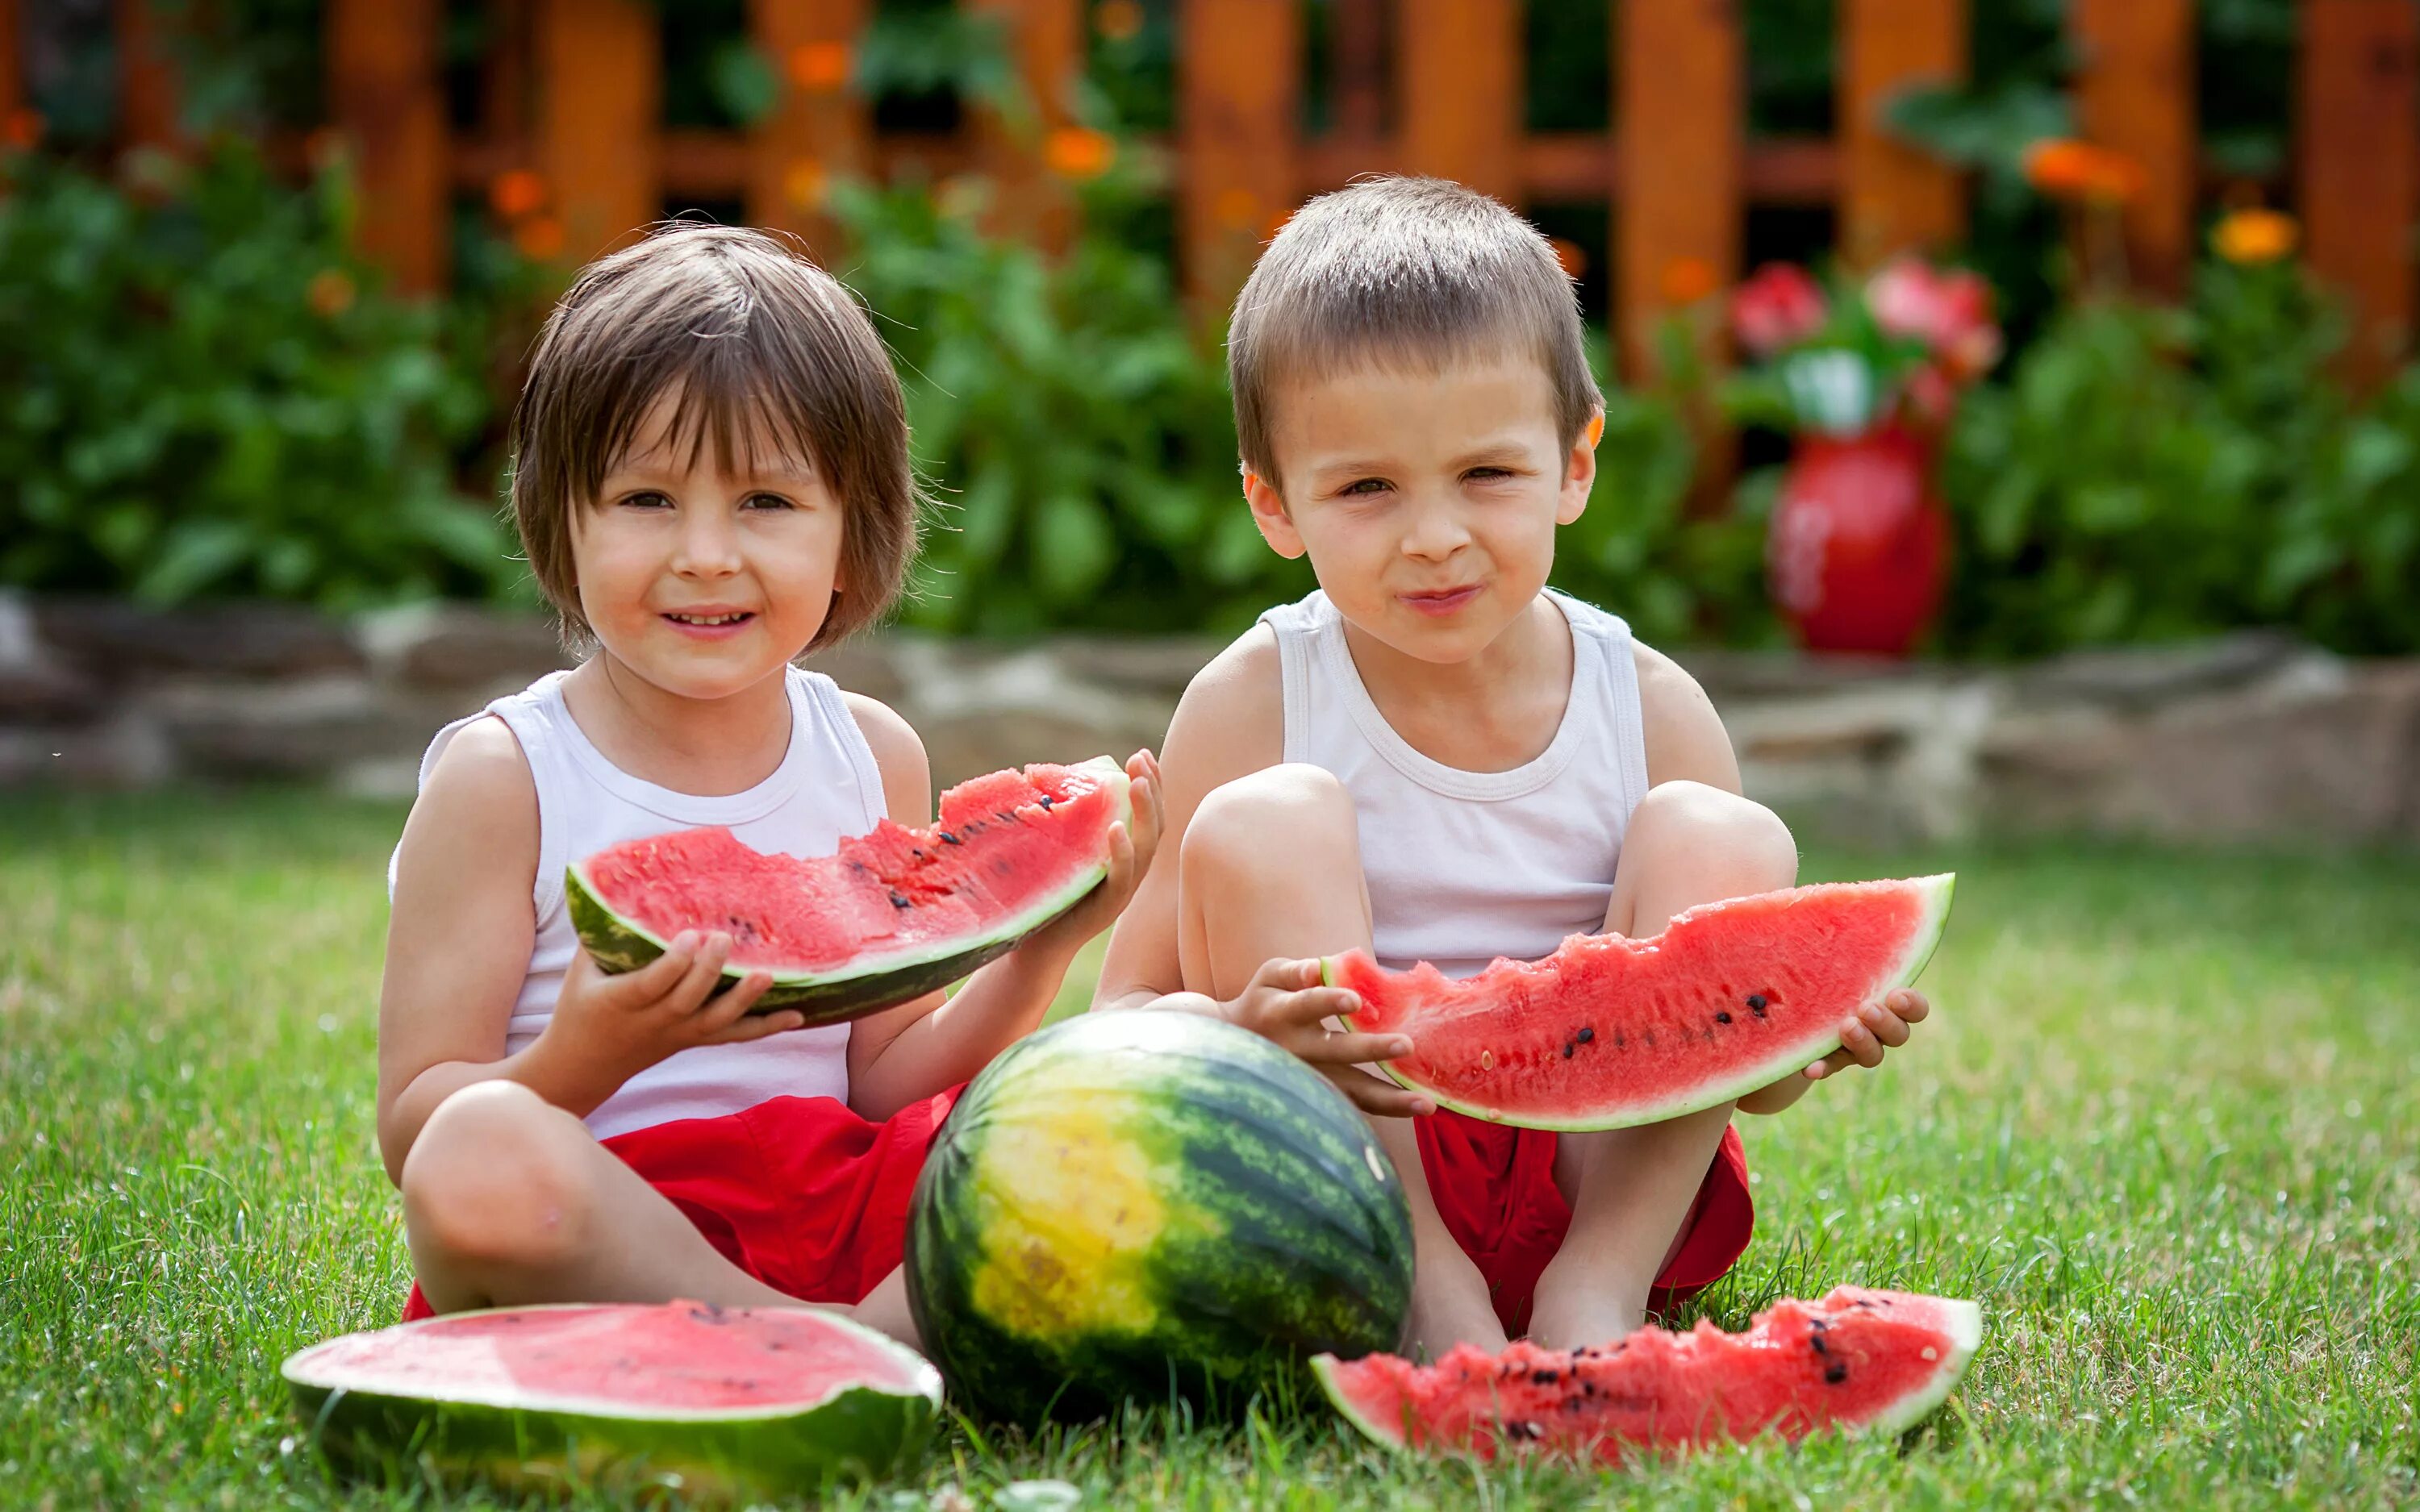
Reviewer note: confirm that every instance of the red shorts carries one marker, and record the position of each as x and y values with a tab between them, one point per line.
799	1192
1495	1188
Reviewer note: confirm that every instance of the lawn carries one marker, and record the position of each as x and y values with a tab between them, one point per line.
2165	1126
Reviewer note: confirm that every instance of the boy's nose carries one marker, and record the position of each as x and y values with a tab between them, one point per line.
708	546
1436	532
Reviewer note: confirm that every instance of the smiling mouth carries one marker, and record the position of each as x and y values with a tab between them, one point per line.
710	621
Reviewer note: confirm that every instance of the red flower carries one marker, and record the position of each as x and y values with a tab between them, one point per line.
1777	306
1949	312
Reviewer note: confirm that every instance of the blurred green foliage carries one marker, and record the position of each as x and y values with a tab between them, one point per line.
2147	473
206	394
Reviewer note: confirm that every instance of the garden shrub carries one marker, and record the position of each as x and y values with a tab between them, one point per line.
206	394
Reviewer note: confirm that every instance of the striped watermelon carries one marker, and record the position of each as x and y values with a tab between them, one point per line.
1135	1204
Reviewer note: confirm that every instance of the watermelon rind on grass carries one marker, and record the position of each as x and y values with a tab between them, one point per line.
1142	1206
851	1431
872	979
1569	1042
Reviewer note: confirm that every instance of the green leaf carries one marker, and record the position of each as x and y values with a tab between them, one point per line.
1073	546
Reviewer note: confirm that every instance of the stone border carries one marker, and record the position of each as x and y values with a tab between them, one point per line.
2248	736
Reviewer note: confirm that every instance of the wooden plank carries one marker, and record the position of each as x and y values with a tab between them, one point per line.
1356	40
1461	60
386	97
1893	197
2134	92
1034	161
1682	84
2358	162
1239	113
149	112
599	91
822	130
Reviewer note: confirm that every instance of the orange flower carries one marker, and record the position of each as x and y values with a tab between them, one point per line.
1080	152
2065	168
1571	254
539	237
1687	280
2255	236
1120	20
820	67
804	183
330	293
516	192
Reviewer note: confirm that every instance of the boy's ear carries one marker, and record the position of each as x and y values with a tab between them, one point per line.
1270	515
1579	469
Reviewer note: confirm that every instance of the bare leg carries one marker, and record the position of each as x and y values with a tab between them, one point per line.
508	1199
1631	1188
1271	867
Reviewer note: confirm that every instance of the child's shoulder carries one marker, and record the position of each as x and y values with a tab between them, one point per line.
1232	718
1683	735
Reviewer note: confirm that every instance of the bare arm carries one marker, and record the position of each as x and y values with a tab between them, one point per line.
910	1052
1230	721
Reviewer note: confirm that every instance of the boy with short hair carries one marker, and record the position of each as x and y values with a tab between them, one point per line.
1436	758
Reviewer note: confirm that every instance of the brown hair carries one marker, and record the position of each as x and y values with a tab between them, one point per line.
1397	270
753	336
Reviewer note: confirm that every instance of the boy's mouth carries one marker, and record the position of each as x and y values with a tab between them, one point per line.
708	624
1440	601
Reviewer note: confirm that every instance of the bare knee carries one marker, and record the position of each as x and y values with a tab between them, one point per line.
1709	843
1286	811
497	1180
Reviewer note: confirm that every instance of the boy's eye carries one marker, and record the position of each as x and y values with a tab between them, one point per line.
1364	486
766	501
1488	474
646	498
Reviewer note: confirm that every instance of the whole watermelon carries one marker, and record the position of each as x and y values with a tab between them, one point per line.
1141	1204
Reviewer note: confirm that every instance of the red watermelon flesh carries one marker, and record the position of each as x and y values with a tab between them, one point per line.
1856	1360
656	1363
1609	1032
891	915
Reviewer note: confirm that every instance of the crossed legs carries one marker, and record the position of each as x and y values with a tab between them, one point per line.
1270	867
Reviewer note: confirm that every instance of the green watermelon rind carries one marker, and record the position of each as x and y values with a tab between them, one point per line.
1342	1276
1797	1055
868	983
851	1433
1960	1319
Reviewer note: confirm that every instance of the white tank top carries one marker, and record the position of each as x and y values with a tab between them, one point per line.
826	788
1465	867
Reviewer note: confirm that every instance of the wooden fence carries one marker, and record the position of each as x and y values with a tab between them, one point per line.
573	92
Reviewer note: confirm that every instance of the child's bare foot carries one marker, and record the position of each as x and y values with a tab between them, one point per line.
1574	1308
1443	1316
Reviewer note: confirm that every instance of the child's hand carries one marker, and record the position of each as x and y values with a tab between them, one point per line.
1874	1028
617	1027
1288	1003
1131	845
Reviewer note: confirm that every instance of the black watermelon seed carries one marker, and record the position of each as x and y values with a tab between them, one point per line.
899	900
1567	1050
1817	1340
1723	1017
1585	1035
1544	1378
1836	1372
948	839
1755	1003
1046	801
1618	1041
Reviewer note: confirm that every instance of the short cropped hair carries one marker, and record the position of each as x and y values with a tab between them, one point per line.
757	342
1401	271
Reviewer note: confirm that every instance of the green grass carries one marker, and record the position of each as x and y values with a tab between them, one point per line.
2166	1127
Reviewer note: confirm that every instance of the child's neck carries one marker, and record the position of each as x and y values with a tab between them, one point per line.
1498	710
706	747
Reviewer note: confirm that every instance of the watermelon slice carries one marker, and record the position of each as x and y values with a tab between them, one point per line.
891	915
1609	1032
1876	1361
726	1404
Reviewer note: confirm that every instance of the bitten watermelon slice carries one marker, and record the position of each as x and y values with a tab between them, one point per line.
721	1404
1877	1360
1609	1032
891	915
